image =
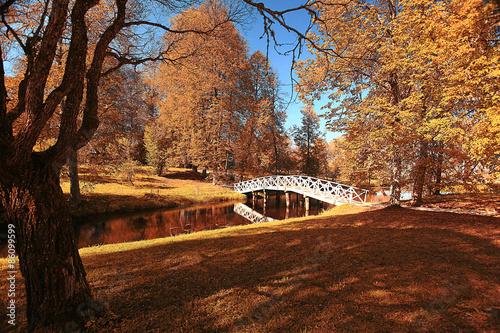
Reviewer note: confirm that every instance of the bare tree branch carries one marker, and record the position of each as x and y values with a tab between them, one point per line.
167	29
42	20
271	16
23	46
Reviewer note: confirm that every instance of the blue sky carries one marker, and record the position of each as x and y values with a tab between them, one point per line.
280	63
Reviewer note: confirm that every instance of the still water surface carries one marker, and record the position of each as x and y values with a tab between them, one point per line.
109	229
119	228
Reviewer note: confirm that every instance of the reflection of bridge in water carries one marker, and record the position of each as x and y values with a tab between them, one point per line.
309	187
250	214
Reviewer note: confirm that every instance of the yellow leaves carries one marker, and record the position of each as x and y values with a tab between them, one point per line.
427	72
220	101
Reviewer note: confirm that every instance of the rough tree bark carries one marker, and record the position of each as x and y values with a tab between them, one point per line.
58	295
395	189
75	197
420	174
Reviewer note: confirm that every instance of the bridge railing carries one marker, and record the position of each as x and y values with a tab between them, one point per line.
317	188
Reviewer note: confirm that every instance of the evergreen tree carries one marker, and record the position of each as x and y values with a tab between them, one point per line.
310	143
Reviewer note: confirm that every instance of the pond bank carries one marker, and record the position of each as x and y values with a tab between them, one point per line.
114	193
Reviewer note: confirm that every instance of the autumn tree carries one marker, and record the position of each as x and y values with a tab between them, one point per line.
199	92
401	74
222	104
125	110
57	292
310	143
259	145
159	142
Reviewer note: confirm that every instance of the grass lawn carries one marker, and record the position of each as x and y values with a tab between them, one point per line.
350	270
107	192
477	203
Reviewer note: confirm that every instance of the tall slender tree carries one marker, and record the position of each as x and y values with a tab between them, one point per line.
259	144
311	146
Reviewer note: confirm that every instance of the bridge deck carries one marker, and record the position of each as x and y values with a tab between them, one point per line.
320	189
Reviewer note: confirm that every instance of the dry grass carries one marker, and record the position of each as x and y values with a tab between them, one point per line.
386	270
109	192
476	203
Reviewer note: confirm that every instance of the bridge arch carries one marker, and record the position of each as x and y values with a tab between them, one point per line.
319	189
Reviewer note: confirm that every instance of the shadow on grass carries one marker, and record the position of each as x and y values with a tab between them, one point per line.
391	270
349	273
108	177
154	184
186	175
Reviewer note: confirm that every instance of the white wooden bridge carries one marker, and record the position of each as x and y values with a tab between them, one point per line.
310	187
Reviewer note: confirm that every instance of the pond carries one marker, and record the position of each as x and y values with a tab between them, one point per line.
119	228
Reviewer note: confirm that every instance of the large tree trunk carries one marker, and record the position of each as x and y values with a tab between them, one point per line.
395	190
420	173
439	171
58	295
75	197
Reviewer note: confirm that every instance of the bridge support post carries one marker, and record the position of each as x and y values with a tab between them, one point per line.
254	199
306	203
264	202
287	197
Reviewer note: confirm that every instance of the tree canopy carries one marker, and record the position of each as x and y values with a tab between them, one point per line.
408	81
221	104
